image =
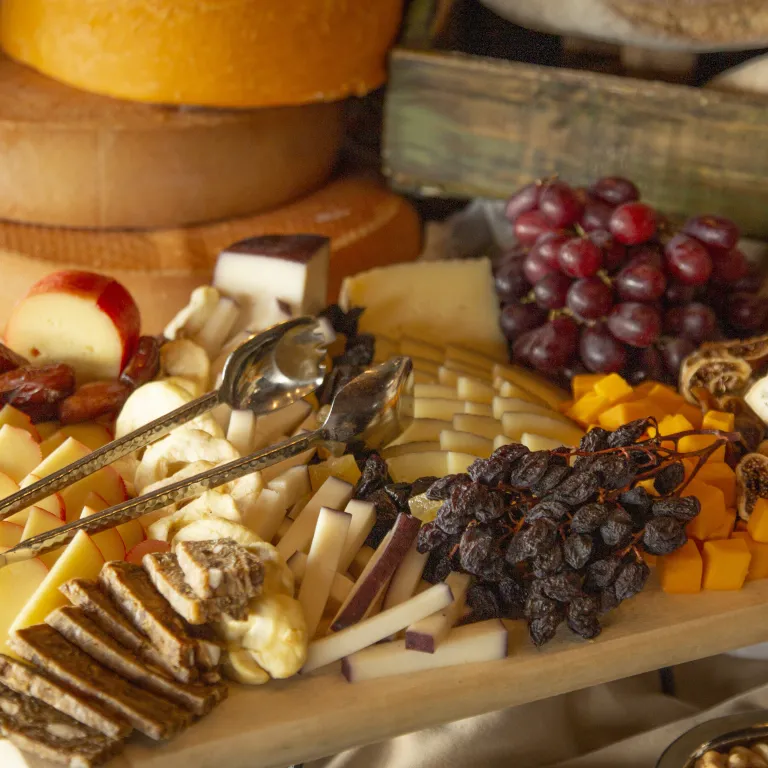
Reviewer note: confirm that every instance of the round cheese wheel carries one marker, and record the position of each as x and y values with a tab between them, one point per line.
368	225
237	53
76	159
686	25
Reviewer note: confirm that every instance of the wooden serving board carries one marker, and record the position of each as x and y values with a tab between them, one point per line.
306	718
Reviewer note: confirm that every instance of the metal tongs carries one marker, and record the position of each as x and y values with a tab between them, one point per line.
270	371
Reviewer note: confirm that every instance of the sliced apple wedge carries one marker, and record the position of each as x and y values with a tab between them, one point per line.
19	452
136	553
333	493
378	572
46	428
18	583
53	504
427	634
11	533
465	442
531	382
69	451
473	643
435	391
8	486
81	558
341	585
91	435
406	578
322	564
484	426
515	424
16	418
266	515
422	430
539	442
40	521
418	447
132	533
474	390
105	482
109	542
478	409
354	638
411	347
363	515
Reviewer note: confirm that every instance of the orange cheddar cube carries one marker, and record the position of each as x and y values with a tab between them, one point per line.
726	564
671	425
758	565
693	443
645	387
666	396
718	420
721	476
757	525
650	560
725	531
565	406
692	413
648	485
680	572
587	408
613	388
623	413
584	383
713	515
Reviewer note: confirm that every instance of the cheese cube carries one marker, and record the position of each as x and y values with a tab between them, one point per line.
613	388
726	563
725	530
721	476
619	415
587	408
583	383
758	521
758	565
713	515
680	572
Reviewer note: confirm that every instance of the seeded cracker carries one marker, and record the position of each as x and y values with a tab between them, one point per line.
220	568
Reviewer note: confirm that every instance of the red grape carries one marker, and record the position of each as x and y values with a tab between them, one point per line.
679	293
697	322
673	321
688	260
548	246
551	291
747	311
634	323
640	282
511	282
674	351
529	226
751	282
713	231
590	298
580	257
633	223
615	190
614	253
523	345
554	345
729	266
597	215
601	351
649	253
559	204
647	364
524	200
536	268
517	319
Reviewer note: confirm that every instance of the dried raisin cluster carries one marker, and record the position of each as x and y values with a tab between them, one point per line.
551	536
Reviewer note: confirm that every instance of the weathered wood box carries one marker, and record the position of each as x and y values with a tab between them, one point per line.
464	126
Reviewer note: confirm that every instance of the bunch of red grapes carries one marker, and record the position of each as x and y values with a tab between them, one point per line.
600	282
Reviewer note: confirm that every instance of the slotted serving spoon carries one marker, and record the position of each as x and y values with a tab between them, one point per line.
370	407
271	370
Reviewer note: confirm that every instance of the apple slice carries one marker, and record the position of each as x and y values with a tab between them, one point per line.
422	430
322	564
46	428
328	649
16	418
473	643
266	515
81	559
531	382
405	448
40	521
132	533
432	391
427	634
465	442
53	504
465	356
363	519
291	485
360	561
136	553
411	347
341	585
92	435
436	408
19	452
406	578
69	451
378	572
18	583
87	320
482	426
539	443
8	486
515	424
109	542
333	493
105	482
475	391
11	533
241	429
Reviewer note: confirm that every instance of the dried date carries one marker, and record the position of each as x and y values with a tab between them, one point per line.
10	360
93	400
144	364
37	391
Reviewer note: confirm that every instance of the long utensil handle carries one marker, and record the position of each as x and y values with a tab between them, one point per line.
184	489
105	455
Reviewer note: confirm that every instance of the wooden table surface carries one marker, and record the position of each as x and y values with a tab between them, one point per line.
305	718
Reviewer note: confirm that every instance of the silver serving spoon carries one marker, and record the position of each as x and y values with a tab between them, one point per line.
369	407
271	370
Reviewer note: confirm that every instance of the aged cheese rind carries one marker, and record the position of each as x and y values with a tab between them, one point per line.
238	53
75	159
369	226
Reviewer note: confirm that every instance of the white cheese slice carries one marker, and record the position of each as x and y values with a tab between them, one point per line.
363	519
406	578
465	442
341	585
266	515
427	634
292	485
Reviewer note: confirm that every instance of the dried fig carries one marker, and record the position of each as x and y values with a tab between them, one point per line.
751	482
720	373
754	350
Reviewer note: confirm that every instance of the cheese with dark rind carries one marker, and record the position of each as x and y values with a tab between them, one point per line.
239	53
75	159
369	226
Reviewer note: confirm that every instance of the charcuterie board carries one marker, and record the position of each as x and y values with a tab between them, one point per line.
311	717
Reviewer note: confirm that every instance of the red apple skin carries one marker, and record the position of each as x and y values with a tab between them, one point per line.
109	296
